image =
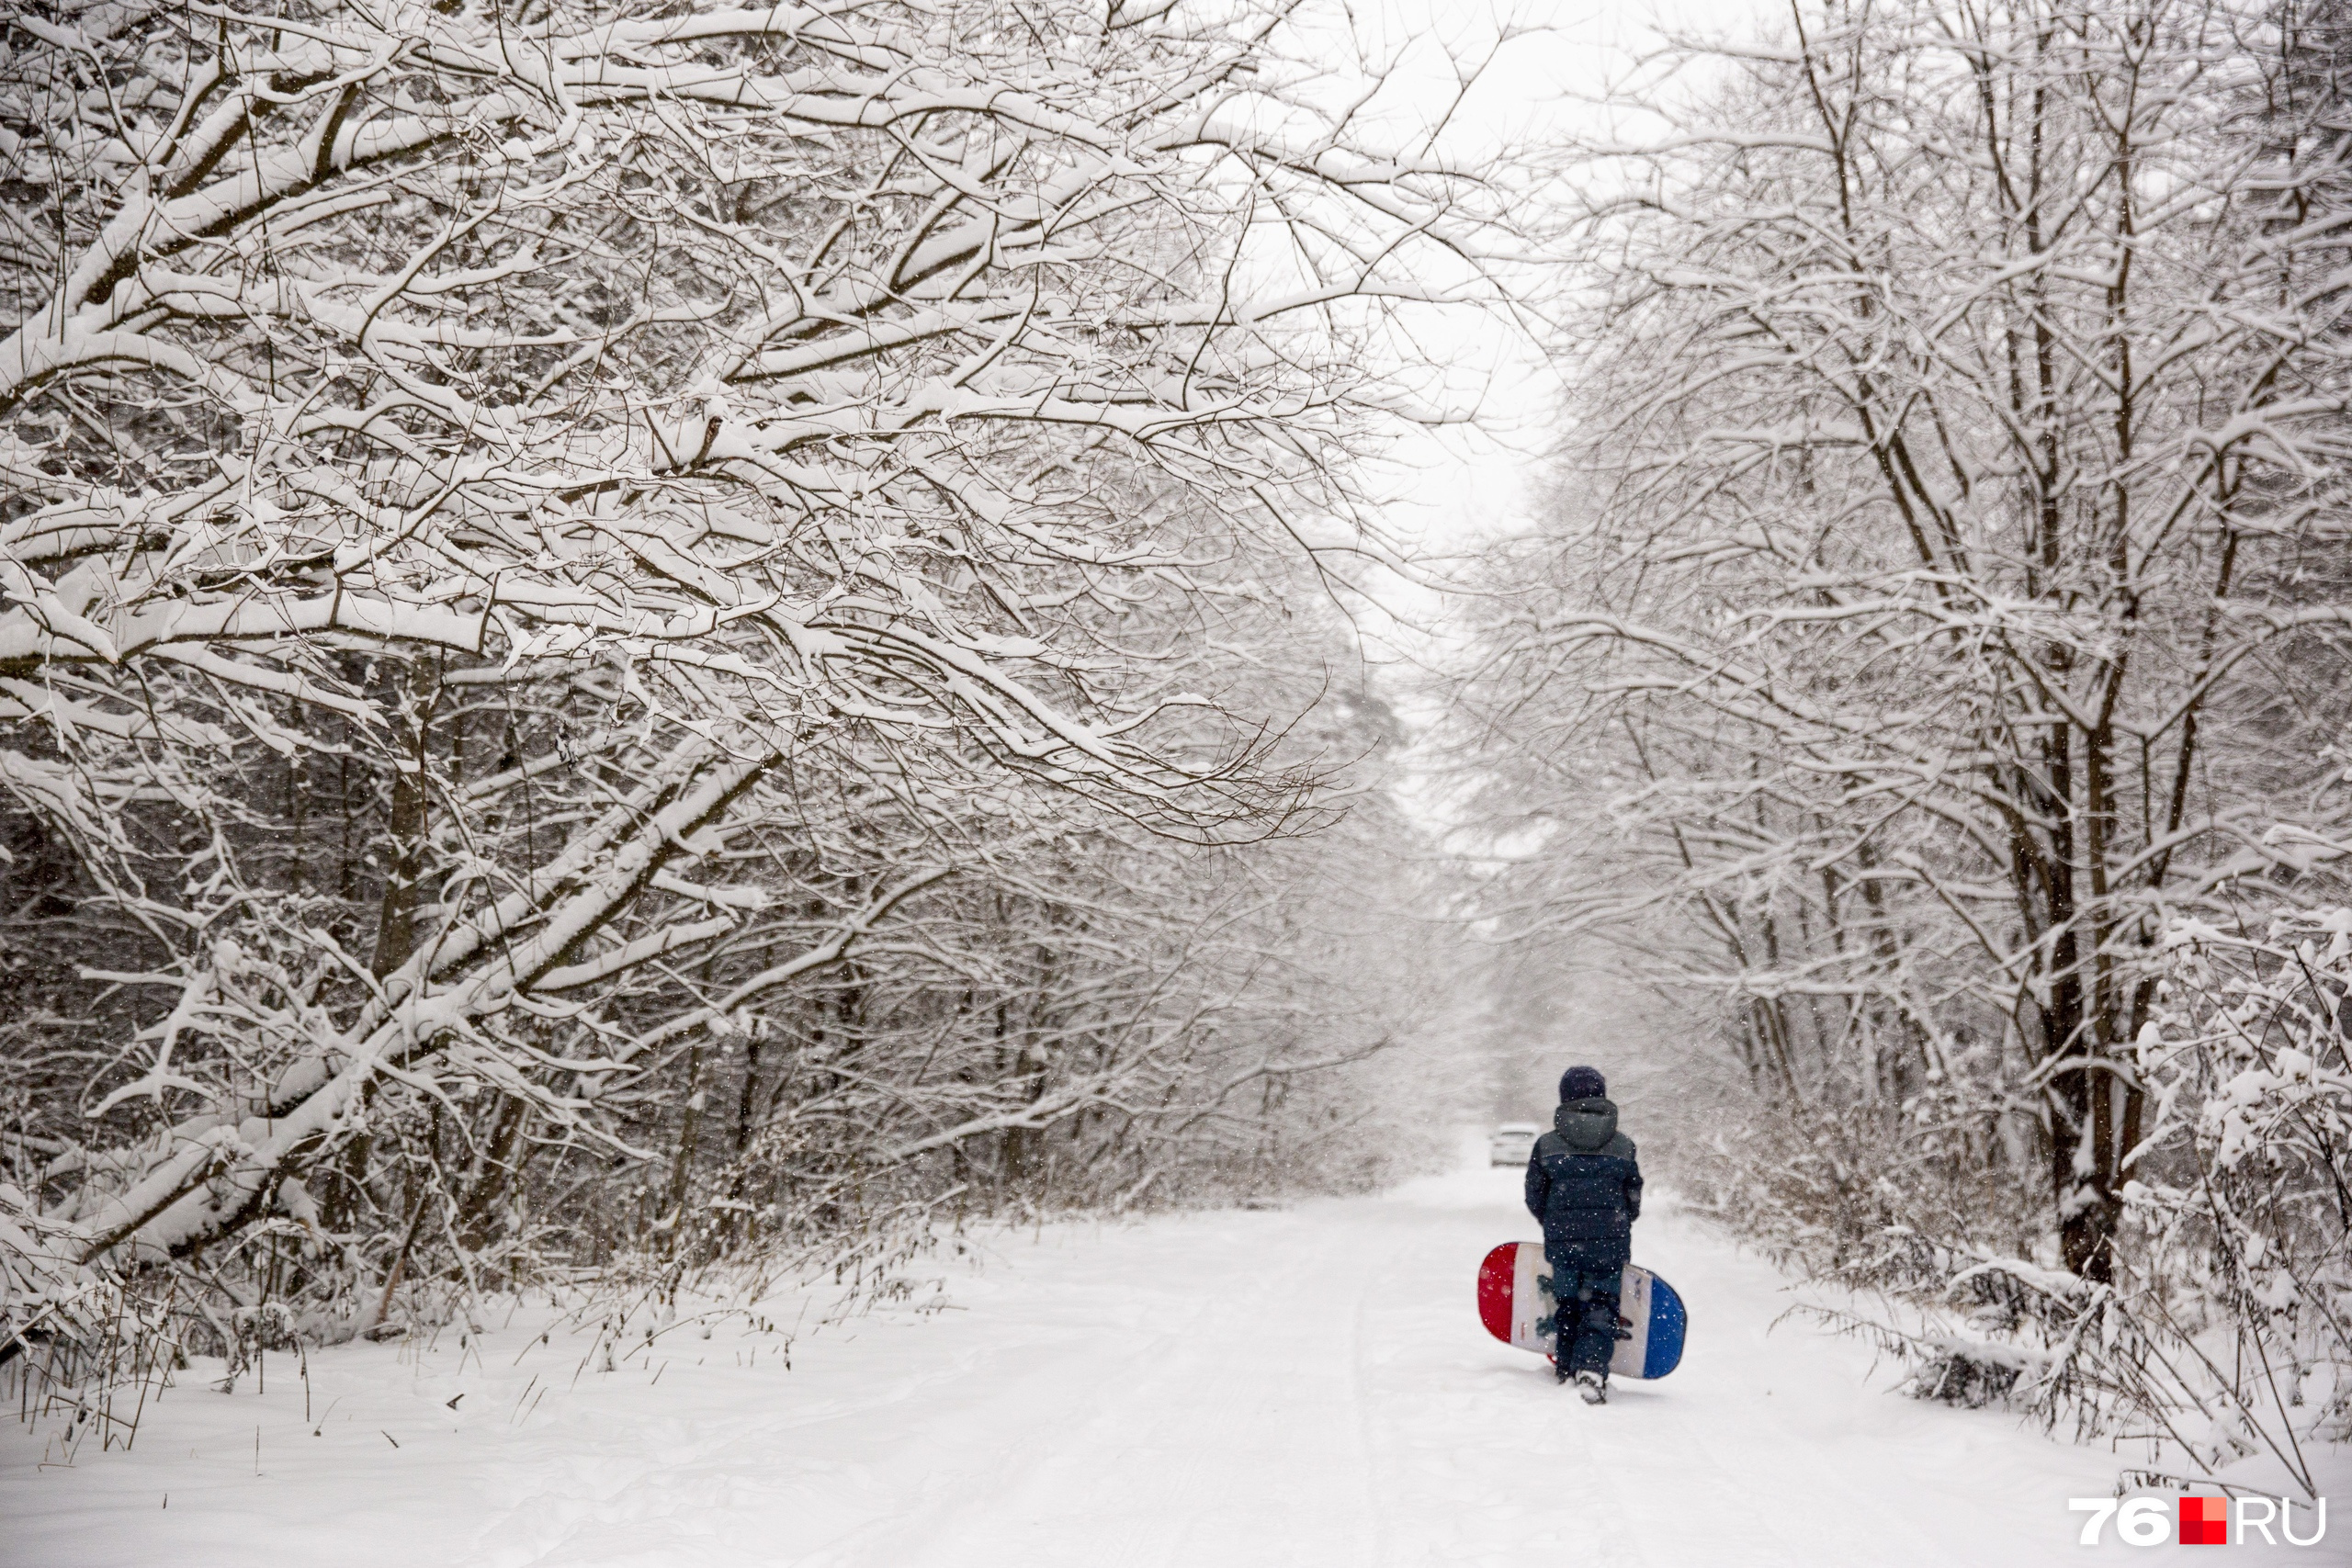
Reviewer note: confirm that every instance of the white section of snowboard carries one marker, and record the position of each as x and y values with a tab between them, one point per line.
1532	1303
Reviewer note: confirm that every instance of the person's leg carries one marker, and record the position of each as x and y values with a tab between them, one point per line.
1567	1313
1592	1311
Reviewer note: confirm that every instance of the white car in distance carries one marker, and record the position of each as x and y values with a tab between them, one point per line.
1511	1142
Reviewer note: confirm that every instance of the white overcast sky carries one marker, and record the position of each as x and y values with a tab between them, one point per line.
1538	85
1454	488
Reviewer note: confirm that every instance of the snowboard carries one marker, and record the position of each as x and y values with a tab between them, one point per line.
1515	1303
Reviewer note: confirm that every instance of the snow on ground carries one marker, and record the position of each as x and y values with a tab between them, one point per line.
1298	1387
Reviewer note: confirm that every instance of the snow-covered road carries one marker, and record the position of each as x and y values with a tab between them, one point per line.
1300	1387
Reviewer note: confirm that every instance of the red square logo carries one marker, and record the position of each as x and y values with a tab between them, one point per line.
2204	1521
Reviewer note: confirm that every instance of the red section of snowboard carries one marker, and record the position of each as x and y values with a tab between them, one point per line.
1495	1276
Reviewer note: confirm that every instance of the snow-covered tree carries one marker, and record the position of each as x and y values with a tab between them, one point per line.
534	529
1947	579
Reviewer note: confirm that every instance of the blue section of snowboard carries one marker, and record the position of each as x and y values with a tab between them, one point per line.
1669	1321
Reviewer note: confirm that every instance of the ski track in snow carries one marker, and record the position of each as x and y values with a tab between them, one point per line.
1299	1387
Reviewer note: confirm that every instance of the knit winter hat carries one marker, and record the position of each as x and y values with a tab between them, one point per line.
1582	1083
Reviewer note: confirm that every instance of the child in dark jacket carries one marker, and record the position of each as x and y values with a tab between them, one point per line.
1584	1182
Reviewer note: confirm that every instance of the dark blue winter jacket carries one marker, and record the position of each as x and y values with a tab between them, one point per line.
1585	1183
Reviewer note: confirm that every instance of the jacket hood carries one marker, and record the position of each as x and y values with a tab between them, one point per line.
1585	1124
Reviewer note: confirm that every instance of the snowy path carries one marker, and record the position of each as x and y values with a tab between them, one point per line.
1299	1388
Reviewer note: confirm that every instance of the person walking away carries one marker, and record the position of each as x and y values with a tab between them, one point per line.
1584	1182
